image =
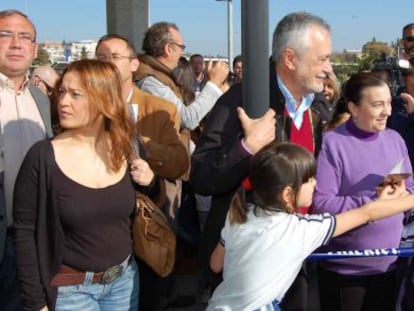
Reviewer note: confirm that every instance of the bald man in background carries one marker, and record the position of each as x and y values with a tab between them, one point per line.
44	77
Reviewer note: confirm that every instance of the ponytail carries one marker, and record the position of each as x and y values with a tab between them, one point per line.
238	212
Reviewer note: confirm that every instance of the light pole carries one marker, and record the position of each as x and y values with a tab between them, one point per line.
229	30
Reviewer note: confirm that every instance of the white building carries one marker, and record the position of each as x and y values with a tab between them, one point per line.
69	51
55	51
78	46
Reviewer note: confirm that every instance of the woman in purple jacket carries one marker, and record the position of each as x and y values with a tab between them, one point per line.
353	161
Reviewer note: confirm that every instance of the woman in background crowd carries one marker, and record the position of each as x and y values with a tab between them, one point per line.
340	115
325	102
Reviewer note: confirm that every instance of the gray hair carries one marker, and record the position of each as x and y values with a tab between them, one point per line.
7	13
292	32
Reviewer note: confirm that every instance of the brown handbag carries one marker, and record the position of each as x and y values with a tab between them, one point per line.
154	239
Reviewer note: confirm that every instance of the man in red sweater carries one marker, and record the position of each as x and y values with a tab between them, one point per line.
300	63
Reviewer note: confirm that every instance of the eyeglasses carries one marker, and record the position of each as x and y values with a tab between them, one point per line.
181	46
25	38
115	57
409	38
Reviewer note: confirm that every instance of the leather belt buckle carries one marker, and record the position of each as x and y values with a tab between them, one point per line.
111	274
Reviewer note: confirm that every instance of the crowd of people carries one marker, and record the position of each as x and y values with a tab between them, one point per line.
252	198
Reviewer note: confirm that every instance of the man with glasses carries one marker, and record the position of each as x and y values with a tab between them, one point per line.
44	77
158	123
163	46
157	120
24	120
407	41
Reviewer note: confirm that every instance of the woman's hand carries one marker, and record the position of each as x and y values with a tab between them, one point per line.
141	173
392	191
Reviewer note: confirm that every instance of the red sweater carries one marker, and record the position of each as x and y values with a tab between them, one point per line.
304	138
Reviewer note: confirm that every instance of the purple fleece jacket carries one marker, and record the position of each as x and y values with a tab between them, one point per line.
351	164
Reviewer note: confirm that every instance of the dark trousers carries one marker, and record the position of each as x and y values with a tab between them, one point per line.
154	290
9	283
210	237
357	293
296	297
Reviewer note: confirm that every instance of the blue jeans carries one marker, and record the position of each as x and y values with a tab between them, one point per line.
9	284
120	295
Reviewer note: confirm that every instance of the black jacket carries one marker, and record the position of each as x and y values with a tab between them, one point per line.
38	234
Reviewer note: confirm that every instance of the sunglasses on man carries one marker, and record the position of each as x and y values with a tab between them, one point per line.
409	38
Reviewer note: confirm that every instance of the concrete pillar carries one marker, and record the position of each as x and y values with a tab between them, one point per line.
129	18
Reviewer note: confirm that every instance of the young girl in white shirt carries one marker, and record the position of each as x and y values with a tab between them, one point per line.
264	243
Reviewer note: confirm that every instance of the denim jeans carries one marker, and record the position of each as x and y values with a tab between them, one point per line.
120	295
9	283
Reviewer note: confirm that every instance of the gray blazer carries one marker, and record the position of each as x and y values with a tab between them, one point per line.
43	105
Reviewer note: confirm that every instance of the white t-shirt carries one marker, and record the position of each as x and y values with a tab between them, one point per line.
264	255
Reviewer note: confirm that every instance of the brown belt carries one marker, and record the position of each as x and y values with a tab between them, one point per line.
70	276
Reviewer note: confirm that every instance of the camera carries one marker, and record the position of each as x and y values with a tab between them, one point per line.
395	68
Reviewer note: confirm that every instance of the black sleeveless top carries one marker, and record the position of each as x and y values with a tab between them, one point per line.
96	223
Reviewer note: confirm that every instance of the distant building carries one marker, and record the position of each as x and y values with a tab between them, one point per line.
61	52
78	46
55	51
357	53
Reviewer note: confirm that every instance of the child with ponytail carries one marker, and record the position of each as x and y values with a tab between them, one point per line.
264	242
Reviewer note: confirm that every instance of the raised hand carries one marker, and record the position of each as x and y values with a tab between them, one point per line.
408	102
257	132
218	73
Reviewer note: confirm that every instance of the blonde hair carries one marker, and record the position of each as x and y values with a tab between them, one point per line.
332	80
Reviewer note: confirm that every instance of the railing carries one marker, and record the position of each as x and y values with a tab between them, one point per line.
375	252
